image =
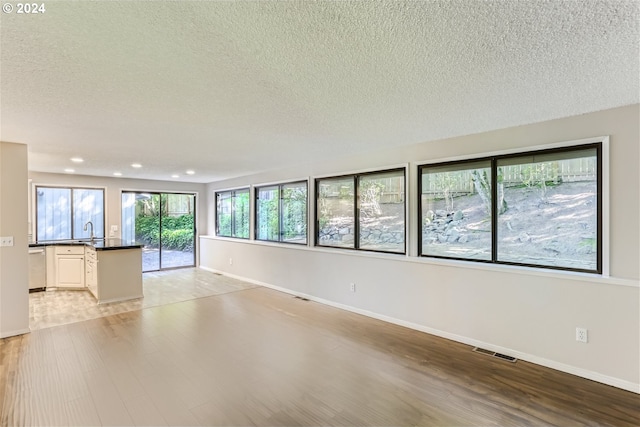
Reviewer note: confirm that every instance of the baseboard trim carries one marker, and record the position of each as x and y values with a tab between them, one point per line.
573	370
14	333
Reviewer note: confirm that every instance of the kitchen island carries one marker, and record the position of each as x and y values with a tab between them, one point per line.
111	269
114	270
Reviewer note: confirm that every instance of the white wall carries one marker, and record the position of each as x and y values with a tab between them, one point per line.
113	191
528	313
14	287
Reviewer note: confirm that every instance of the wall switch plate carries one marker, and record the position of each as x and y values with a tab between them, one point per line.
6	241
352	287
114	228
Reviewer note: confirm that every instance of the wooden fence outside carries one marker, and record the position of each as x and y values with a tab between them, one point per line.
461	182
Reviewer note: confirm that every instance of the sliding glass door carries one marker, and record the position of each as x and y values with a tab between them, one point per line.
165	224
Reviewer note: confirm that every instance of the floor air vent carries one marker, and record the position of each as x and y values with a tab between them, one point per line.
494	354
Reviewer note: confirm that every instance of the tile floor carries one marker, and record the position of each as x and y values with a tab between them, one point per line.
61	307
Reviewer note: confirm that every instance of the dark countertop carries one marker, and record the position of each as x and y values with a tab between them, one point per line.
98	244
111	244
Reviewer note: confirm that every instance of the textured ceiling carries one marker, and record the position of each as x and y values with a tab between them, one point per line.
231	88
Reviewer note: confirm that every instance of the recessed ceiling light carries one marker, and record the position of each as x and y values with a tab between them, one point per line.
69	170
190	172
175	176
77	159
136	165
117	174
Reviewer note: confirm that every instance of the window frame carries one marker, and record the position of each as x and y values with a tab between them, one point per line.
600	147
72	210
280	233
356	209
233	196
419	203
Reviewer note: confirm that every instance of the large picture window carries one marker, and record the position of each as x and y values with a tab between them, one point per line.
281	213
62	213
540	209
362	211
232	213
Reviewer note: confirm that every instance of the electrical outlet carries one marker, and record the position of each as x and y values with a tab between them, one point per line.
582	335
352	287
230	261
6	241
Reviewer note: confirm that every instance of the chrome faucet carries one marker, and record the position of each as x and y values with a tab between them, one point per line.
85	229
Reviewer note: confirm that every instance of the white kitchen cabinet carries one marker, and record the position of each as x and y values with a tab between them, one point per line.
70	267
50	255
111	270
91	270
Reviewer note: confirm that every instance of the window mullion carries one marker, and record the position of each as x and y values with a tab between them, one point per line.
494	210
256	214
280	205
233	214
316	219
72	212
599	219
419	216
356	212
218	213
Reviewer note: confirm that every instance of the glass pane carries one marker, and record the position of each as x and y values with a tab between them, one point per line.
177	231
550	210
88	206
53	216
147	229
336	220
224	214
294	213
456	210
382	209
241	214
128	229
267	214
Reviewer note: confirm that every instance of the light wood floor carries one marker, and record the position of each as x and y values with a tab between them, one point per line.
60	307
261	357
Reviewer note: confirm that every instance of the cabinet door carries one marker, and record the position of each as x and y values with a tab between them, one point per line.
70	271
91	276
